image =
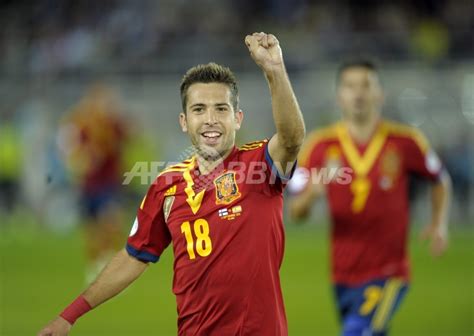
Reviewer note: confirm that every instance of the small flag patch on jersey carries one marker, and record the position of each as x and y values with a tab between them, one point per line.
237	209
230	213
223	212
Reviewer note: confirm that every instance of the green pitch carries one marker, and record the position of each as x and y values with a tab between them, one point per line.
41	273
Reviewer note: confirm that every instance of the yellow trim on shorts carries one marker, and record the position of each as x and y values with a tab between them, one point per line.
390	293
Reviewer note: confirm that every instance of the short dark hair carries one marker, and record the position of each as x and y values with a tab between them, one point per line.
357	63
210	73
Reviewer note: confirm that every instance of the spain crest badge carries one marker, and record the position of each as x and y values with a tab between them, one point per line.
390	167
227	190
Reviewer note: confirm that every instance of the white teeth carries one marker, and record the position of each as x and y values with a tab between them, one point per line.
211	134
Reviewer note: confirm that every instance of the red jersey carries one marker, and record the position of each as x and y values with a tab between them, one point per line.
228	241
95	144
368	199
102	140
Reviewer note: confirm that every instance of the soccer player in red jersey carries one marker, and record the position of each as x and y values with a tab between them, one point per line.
362	164
93	136
221	209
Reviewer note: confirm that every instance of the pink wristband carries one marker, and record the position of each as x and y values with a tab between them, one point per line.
76	309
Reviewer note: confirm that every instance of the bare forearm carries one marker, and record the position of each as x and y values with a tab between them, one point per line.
440	199
286	112
285	144
121	271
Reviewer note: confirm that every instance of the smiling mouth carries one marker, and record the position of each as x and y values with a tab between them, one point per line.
211	137
211	134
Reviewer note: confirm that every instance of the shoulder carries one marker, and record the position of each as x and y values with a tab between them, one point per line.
406	132
254	150
178	167
254	145
325	133
318	137
172	174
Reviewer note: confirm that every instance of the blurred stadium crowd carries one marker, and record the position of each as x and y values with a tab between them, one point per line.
117	35
53	51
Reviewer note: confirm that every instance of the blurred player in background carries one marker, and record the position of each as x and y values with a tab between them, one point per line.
362	164
93	135
221	209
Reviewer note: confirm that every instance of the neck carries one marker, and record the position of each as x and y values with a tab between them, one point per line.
361	132
206	166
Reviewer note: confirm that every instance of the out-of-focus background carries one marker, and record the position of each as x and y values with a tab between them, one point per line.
76	74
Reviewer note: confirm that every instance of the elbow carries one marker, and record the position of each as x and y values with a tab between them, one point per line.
293	148
445	180
444	184
294	142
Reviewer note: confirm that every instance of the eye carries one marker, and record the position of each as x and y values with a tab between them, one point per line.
198	109
222	109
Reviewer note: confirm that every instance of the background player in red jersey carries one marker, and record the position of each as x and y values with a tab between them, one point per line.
95	135
227	259
362	164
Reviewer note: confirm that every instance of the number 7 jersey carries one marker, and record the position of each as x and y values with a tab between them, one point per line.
368	196
228	241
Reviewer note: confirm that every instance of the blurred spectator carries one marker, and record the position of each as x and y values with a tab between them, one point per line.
431	40
56	36
10	164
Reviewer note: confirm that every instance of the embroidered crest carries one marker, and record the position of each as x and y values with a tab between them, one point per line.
332	164
227	190
333	157
390	167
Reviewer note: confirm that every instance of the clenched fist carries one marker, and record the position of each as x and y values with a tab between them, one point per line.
265	51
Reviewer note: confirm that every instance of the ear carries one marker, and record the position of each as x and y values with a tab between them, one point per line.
239	117
182	122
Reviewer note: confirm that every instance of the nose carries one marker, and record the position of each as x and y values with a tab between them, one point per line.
361	91
211	117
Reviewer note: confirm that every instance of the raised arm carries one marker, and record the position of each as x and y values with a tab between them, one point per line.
120	272
290	130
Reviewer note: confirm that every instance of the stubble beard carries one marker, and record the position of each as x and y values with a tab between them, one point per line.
210	154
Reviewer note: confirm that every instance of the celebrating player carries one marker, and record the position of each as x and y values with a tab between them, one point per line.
221	209
363	163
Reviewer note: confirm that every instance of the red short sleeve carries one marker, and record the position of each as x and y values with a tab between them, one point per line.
420	158
149	235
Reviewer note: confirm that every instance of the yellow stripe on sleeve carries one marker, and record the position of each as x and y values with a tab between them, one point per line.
313	139
252	145
143	203
409	132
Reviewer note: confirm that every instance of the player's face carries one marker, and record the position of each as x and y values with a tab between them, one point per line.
210	119
359	94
